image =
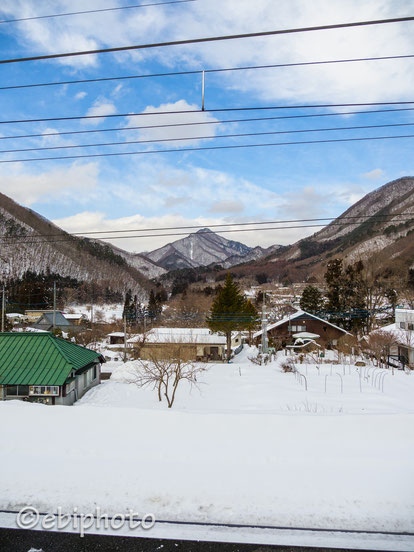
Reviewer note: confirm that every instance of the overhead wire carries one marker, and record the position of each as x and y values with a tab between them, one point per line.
210	39
200	71
226	224
213	137
117	8
215	122
206	148
202	111
41	240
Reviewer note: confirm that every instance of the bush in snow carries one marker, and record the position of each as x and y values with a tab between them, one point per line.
288	365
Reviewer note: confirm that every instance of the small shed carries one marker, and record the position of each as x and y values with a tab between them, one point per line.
116	338
40	367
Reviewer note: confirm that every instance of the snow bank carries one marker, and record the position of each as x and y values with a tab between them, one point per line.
349	472
250	445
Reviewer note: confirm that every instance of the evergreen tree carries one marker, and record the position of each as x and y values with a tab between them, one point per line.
354	297
334	280
154	306
312	300
228	311
346	294
129	311
252	318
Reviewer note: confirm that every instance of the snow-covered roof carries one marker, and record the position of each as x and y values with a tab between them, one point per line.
403	337
73	316
180	335
298	314
15	315
30	329
116	334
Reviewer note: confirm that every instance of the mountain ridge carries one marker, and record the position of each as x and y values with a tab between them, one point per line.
30	242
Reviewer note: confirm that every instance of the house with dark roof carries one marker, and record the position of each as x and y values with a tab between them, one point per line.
325	333
40	367
45	322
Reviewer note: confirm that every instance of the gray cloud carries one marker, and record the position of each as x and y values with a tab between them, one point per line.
226	206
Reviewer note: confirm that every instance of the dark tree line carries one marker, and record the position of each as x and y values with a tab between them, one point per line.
354	294
136	312
35	291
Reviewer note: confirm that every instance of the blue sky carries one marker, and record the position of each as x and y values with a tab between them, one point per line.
203	187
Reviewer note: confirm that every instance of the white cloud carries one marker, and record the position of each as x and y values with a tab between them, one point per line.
100	107
80	95
374	174
88	221
28	187
179	133
117	90
363	81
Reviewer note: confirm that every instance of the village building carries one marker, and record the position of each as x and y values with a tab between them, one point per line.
53	319
198	344
286	330
75	318
32	315
40	367
402	330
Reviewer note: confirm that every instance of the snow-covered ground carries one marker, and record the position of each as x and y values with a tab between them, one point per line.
251	445
107	313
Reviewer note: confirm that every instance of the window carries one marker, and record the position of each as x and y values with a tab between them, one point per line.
297	328
402	325
411	326
95	372
36	390
70	387
17	390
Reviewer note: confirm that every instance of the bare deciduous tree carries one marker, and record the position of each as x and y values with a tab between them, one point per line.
379	344
165	374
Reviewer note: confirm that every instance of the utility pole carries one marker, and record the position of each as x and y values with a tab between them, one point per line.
125	339
3	308
264	325
54	306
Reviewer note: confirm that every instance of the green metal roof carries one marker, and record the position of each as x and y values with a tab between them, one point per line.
40	358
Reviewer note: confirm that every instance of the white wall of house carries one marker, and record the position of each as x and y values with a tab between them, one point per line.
404	318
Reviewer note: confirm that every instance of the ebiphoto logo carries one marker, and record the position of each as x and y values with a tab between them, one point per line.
30	518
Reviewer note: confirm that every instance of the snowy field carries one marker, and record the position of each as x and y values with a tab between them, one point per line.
250	445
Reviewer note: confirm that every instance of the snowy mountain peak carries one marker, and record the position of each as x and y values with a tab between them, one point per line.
200	248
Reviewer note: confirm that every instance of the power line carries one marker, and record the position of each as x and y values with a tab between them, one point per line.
206	148
215	110
200	71
224	121
289	227
284	221
210	39
190	138
96	11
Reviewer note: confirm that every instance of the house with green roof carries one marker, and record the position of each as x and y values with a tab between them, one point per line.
40	367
